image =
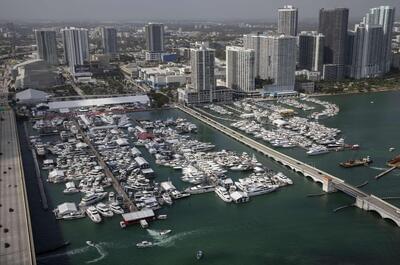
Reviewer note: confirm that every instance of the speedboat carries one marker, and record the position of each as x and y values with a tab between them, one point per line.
162	217
144	244
199	254
165	232
93	214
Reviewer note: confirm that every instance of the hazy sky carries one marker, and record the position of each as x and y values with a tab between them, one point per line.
173	9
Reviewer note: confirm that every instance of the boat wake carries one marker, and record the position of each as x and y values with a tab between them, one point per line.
379	168
102	252
168	241
66	253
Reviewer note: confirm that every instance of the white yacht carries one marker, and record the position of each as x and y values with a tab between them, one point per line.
198	189
93	214
70	188
74	215
104	210
282	178
116	208
167	199
223	194
92	198
319	150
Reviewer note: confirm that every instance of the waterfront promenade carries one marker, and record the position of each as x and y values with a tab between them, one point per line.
329	182
16	242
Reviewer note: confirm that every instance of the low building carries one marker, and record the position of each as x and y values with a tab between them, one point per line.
165	76
36	74
131	70
191	96
307	87
333	72
31	97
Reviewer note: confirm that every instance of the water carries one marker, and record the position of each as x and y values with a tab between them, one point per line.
285	227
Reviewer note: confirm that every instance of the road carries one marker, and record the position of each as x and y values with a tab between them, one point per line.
16	242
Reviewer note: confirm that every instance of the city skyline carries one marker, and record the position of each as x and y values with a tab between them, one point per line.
175	10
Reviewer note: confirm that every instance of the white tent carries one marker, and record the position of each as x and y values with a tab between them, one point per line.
31	96
66	208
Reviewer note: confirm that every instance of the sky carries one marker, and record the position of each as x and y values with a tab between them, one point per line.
134	10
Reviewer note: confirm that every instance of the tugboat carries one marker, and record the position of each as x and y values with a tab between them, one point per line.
358	162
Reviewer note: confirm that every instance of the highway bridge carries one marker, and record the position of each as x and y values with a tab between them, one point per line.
329	182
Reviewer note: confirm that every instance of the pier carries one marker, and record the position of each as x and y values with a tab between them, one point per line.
16	241
127	201
329	182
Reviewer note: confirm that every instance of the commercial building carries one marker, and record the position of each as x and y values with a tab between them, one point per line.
311	50
333	25
76	48
154	33
288	20
165	76
46	43
31	97
109	41
240	74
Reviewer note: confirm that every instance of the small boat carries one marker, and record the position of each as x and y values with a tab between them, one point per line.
391	149
199	254
162	217
144	244
165	232
90	243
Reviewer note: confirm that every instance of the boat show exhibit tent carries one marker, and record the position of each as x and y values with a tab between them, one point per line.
70	104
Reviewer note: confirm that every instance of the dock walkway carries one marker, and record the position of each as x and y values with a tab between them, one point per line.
329	182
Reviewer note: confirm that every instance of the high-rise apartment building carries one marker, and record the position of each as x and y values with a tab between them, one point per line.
367	51
240	74
46	43
288	20
202	65
76	46
109	41
383	16
311	51
278	60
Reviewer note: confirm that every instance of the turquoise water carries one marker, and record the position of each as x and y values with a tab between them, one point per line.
285	227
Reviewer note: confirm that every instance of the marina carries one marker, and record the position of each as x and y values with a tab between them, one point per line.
193	230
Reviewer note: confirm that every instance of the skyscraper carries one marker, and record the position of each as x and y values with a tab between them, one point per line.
252	41
76	46
367	51
154	37
202	64
47	45
333	25
109	41
278	60
288	20
311	50
383	16
240	74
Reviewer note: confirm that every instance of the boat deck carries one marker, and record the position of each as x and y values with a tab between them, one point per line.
16	242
